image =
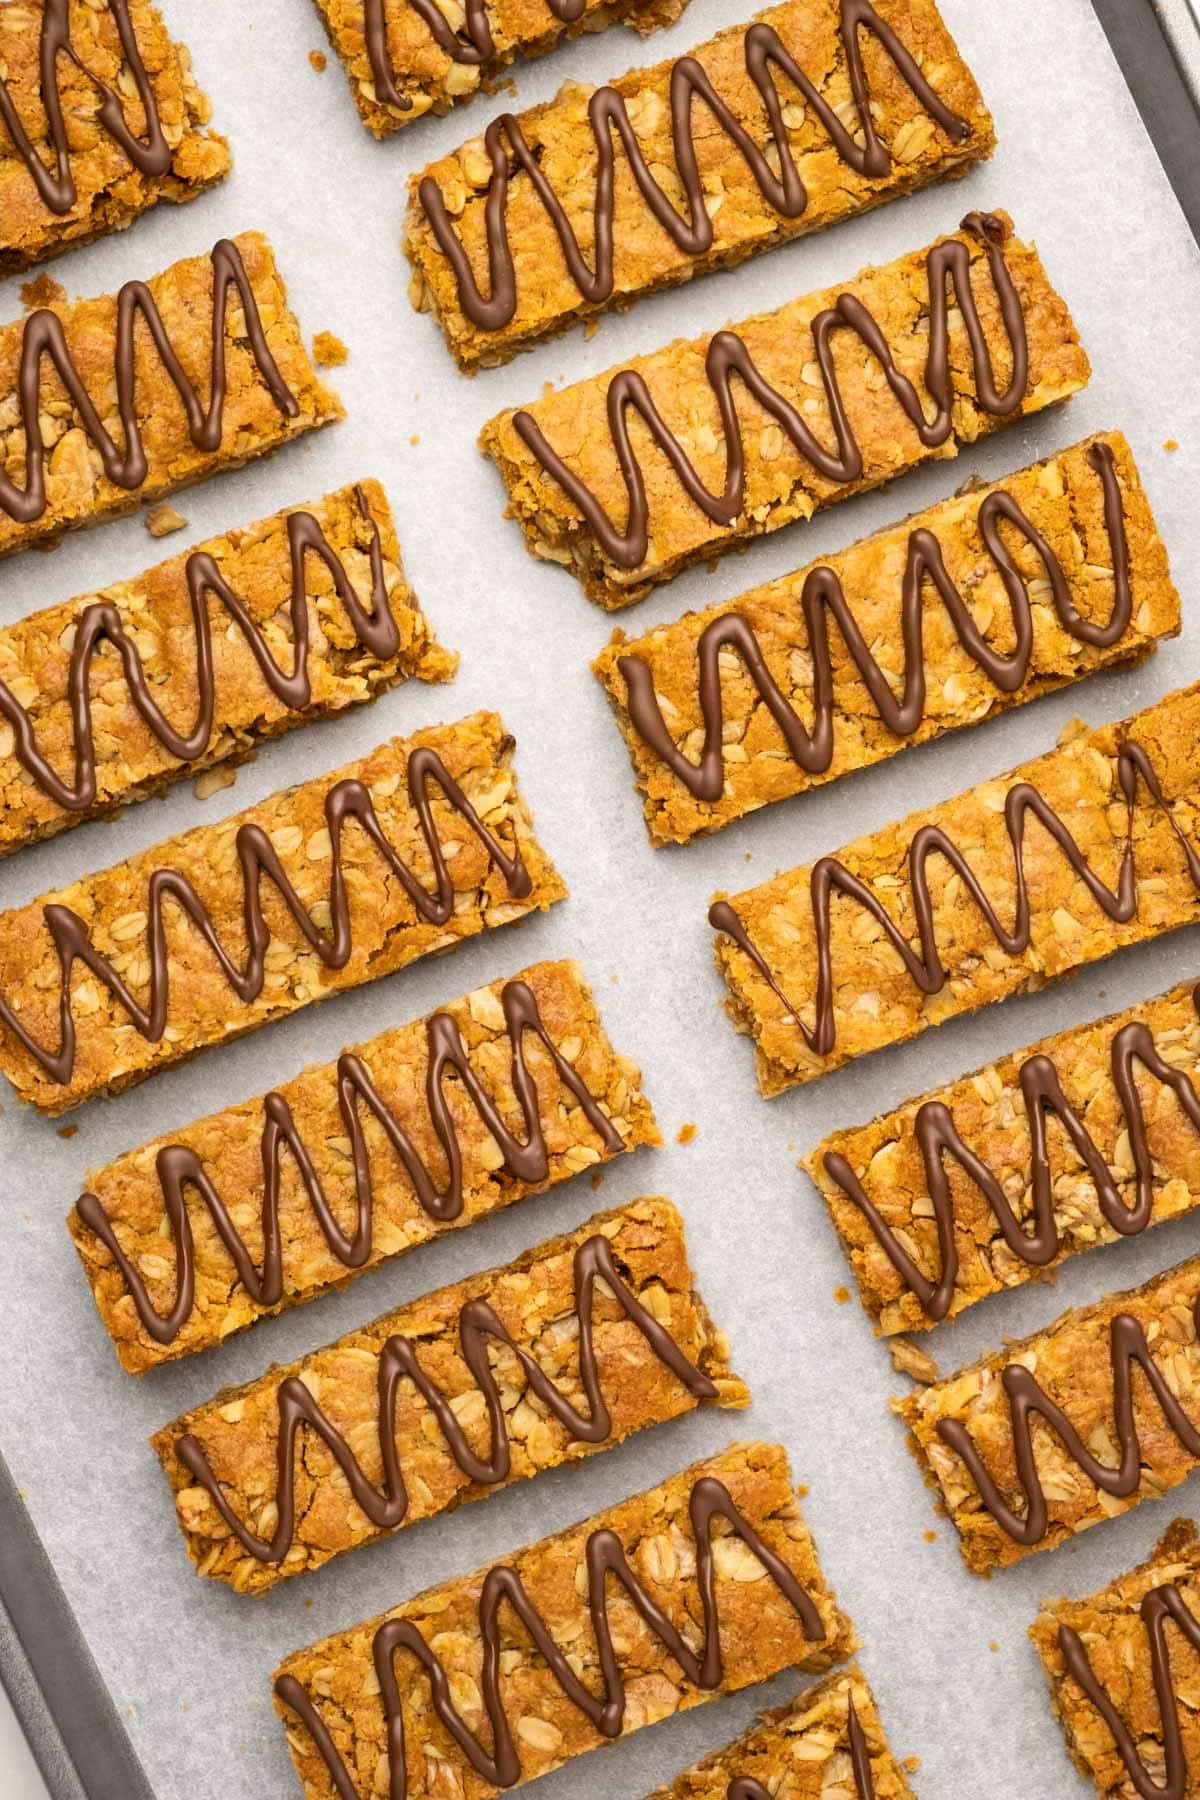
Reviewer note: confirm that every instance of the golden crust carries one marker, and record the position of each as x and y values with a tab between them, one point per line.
110	192
760	1633
561	137
536	1300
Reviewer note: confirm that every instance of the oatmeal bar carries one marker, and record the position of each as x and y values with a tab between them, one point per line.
724	1589
405	58
1053	1434
560	1355
229	381
827	1744
1122	1684
997	1179
1024	878
209	935
243	638
980	604
741	432
68	171
856	105
499	1095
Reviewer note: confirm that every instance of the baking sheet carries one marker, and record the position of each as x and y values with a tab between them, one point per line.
188	1663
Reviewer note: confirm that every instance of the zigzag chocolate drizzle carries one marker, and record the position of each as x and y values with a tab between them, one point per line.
179	1168
479	48
257	856
745	1787
924	965
1159	1607
605	1557
507	148
100	622
151	154
937	1137
823	598
399	1361
1128	1346
727	357
44	336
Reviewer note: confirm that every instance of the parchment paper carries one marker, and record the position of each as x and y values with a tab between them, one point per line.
189	1662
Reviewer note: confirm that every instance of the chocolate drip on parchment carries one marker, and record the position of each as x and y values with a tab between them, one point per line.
1037	1242
924	964
399	1362
745	1787
1128	1347
479	47
728	358
1160	1607
44	336
507	148
100	623
823	598
257	857
150	155
604	1558
526	1158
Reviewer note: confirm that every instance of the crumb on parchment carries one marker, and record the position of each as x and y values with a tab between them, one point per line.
161	520
329	352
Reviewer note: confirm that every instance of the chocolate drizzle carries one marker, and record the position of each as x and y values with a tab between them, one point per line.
44	336
399	1362
604	1557
1128	1346
150	155
527	1159
100	622
1160	1606
745	1787
823	598
507	148
727	357
478	49
924	965
257	857
937	1137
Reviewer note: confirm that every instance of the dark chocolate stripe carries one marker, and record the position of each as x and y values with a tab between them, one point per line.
605	1558
399	1362
823	598
347	799
1128	1347
507	148
1160	1607
100	623
924	965
728	358
150	155
526	1158
44	337
745	1787
478	49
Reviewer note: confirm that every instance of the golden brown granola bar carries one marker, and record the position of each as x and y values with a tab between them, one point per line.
354	875
855	104
210	372
555	1357
630	476
997	1179
1068	1427
828	1743
1123	1667
1026	877
405	58
119	127
979	604
424	1129
671	1642
244	637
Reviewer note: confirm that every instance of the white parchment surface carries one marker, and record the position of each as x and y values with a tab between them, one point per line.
188	1662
